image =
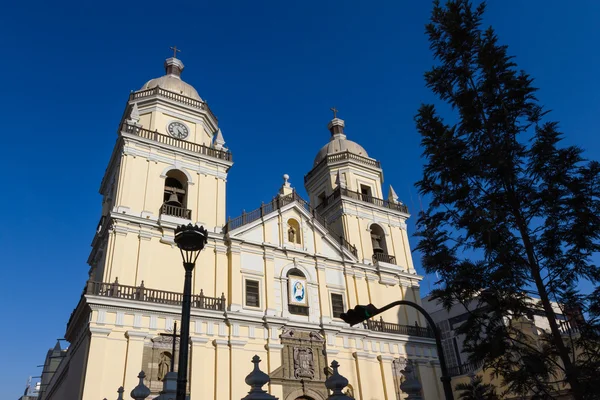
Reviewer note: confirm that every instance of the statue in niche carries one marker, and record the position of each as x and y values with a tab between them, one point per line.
164	364
292	235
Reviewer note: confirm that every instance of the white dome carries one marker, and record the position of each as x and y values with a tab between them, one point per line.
172	82
339	145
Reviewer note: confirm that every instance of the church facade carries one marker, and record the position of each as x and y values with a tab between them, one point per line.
271	282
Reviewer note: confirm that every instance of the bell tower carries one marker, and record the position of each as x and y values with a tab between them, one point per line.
168	167
345	187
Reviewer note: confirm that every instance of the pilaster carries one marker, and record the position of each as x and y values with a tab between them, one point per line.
387	376
235	281
133	360
202	380
95	388
222	369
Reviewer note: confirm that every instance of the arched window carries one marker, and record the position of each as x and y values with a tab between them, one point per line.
175	192
175	195
378	240
380	249
298	292
293	232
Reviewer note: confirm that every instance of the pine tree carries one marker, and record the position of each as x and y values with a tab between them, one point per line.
511	211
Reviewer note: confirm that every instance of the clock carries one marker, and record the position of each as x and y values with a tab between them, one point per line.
178	130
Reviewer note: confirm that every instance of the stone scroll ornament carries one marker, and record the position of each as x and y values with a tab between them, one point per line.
303	363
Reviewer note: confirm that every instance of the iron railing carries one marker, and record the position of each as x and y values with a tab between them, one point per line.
383	257
171	141
277	203
158	91
340	191
388	327
464	369
346	155
168	209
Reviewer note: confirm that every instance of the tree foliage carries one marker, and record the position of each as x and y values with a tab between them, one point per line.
511	211
476	390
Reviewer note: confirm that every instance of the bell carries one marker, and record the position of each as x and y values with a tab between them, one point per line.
173	200
376	244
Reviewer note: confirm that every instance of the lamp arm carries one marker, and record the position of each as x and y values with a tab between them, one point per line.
445	378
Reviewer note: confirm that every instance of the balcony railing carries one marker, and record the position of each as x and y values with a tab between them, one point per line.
346	155
340	191
171	141
168	209
388	327
383	257
277	203
463	369
142	293
157	91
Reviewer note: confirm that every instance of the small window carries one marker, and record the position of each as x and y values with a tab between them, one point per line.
252	293
366	192
337	304
321	198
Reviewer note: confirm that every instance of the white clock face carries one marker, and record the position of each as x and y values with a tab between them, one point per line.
178	130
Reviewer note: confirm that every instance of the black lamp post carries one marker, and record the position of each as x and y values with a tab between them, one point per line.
191	240
362	313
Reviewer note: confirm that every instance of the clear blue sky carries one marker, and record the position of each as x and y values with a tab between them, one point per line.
270	71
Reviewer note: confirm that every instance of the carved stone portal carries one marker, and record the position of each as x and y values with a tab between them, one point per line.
303	366
303	363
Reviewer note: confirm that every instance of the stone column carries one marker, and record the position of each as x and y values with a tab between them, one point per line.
95	388
202	381
222	370
387	375
135	352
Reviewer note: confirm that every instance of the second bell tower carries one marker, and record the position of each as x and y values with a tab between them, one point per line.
345	186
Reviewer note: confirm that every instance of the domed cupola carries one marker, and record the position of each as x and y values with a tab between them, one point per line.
171	81
338	142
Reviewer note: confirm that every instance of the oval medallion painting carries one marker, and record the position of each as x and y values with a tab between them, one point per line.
297	290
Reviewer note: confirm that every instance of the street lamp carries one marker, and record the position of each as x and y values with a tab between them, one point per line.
191	240
362	313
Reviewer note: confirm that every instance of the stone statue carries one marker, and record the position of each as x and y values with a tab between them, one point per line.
163	365
291	235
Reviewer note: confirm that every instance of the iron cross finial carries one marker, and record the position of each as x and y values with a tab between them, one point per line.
175	51
335	111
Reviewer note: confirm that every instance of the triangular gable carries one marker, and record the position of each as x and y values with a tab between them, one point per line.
329	246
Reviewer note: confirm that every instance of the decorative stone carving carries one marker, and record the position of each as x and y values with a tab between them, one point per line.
303	366
303	363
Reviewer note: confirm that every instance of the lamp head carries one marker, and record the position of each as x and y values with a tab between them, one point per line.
191	240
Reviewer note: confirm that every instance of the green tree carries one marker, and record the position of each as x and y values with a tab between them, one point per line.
511	211
476	390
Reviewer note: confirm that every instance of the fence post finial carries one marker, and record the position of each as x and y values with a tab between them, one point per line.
336	383
256	380
141	391
120	391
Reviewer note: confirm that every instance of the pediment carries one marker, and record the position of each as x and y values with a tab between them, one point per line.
273	228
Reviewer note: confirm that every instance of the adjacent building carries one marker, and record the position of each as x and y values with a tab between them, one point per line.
271	282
